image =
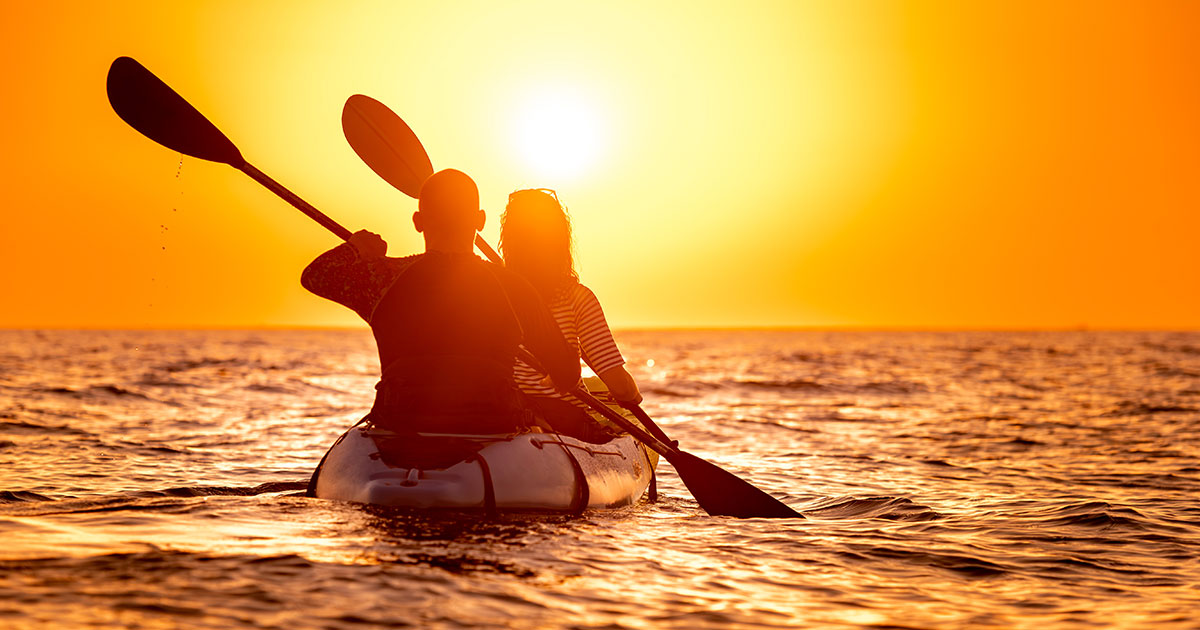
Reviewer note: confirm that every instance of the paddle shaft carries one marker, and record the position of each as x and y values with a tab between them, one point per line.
292	198
658	446
321	217
487	249
649	423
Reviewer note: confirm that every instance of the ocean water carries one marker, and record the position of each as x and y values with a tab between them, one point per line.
950	480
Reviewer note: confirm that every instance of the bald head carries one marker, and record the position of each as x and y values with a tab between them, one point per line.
449	213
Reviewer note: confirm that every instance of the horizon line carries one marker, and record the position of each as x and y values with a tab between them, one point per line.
634	329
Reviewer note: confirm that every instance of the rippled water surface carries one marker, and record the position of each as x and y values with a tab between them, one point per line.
951	480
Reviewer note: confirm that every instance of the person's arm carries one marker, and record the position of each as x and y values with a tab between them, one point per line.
599	349
347	273
621	384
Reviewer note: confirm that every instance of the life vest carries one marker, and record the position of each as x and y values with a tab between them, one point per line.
447	339
448	394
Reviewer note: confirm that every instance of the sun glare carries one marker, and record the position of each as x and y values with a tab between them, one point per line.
558	134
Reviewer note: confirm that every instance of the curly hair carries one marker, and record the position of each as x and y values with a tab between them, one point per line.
535	240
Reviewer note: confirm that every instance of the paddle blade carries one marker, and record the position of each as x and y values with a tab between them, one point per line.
721	493
386	144
159	113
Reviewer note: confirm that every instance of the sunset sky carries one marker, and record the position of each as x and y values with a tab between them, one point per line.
828	164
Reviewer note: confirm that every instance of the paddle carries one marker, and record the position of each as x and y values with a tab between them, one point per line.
718	491
393	151
151	107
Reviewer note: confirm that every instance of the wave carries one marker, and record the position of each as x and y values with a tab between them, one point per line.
694	388
21	426
887	508
37	504
808	385
892	387
102	390
961	564
228	491
107	566
228	363
665	392
1174	371
270	389
21	496
1160	481
1168	348
791	384
151	450
777	423
1135	408
195	364
682	389
1088	514
151	380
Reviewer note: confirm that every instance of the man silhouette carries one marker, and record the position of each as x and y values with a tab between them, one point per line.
447	324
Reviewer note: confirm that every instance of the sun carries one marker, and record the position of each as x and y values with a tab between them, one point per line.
558	133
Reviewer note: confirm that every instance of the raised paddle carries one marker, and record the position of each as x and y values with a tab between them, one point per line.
159	113
392	150
387	145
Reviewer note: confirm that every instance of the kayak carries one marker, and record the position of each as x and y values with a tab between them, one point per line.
528	470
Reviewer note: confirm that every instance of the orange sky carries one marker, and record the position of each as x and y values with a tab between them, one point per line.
904	164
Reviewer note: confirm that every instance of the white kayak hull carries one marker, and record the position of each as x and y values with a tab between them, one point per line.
526	471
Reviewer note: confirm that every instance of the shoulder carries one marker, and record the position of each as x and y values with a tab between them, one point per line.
582	297
402	261
387	267
581	290
411	258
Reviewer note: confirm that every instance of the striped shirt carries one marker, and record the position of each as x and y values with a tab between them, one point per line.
582	323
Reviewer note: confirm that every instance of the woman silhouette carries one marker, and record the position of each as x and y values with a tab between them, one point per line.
535	239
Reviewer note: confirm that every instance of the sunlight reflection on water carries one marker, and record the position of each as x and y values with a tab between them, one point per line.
951	480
